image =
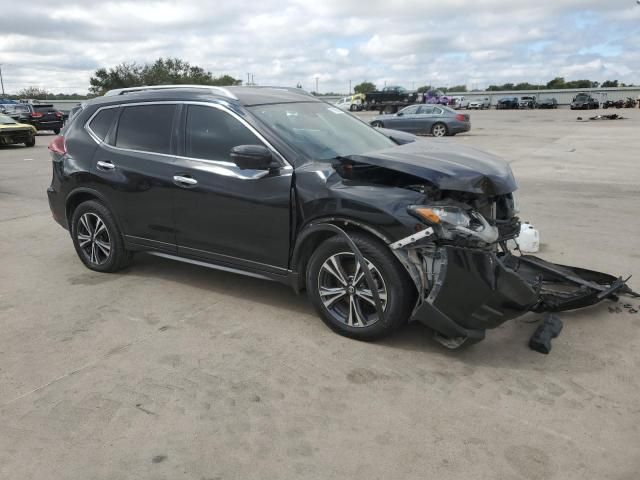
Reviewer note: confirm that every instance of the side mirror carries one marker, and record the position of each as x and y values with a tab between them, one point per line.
253	157
400	114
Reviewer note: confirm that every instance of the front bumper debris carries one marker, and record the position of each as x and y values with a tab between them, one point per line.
473	290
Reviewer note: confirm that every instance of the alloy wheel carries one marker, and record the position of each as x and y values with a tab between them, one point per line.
344	291
439	130
93	238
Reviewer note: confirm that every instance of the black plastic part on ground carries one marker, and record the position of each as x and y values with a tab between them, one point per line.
541	339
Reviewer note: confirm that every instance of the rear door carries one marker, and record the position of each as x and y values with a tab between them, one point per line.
427	115
224	214
133	166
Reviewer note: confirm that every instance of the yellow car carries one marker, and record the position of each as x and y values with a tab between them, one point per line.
12	132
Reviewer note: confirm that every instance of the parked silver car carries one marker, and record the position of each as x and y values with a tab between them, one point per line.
479	103
437	120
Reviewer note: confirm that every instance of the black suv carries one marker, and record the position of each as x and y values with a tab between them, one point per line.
43	117
378	226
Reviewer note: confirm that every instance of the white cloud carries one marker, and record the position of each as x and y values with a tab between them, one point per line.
407	42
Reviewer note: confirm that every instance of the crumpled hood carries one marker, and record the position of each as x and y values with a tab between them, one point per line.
447	165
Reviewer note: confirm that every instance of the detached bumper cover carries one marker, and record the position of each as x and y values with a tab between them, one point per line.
475	290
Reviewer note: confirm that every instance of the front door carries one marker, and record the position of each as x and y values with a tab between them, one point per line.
222	213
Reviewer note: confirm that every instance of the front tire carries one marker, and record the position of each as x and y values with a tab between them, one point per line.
377	124
439	130
339	292
97	239
56	131
31	143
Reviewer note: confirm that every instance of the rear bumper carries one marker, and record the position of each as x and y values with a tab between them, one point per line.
47	125
14	137
56	204
459	127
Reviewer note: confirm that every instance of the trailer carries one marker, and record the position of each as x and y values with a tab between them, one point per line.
390	99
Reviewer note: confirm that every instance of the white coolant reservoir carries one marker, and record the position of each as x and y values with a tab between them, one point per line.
529	239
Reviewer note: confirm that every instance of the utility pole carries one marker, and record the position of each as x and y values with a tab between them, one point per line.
349	87
253	82
317	85
1	80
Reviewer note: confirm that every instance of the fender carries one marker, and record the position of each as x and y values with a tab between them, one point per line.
306	231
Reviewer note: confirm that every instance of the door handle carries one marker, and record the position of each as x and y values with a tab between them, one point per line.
105	165
184	181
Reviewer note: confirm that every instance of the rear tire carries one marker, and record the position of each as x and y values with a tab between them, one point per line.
56	131
354	315
377	124
31	143
439	130
97	239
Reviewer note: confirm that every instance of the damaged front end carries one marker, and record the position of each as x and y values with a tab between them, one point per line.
462	212
470	282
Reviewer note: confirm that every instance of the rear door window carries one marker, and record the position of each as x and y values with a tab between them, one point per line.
101	123
146	128
410	110
211	133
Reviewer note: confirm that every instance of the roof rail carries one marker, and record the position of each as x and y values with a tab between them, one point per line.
123	91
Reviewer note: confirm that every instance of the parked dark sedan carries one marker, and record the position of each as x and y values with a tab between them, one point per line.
378	226
508	103
436	120
548	103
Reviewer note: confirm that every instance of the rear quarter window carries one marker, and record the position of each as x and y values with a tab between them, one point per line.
146	128
101	123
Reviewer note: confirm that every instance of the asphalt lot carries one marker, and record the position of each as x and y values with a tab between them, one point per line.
172	371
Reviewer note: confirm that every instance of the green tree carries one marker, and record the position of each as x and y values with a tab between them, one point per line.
458	88
557	82
579	84
424	88
164	71
610	84
34	92
364	87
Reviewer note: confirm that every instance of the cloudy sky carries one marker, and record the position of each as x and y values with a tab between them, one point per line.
58	45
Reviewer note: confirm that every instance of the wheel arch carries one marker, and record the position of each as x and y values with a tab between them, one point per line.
316	231
83	194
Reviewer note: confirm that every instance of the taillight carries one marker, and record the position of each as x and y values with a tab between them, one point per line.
37	115
58	146
58	114
461	118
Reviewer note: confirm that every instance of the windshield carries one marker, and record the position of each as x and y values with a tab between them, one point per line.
321	131
6	120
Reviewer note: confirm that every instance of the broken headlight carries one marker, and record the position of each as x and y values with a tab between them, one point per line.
451	221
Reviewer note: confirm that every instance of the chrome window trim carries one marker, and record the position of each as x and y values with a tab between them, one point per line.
286	165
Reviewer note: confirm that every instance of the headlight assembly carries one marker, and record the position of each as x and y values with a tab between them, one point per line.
453	216
455	221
